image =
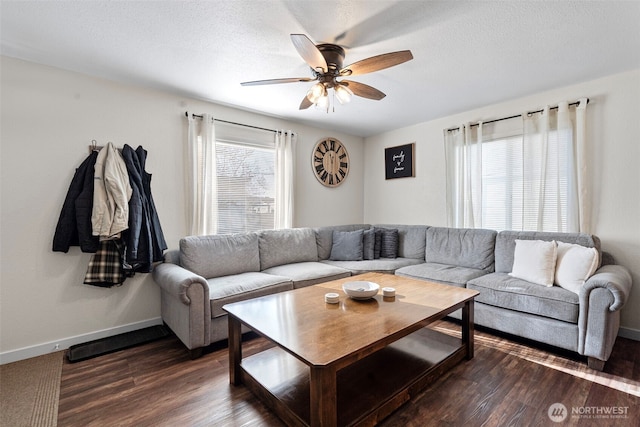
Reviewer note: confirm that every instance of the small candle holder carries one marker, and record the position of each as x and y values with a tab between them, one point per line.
332	298
389	292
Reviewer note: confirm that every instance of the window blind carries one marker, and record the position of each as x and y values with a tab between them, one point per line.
502	184
525	177
246	184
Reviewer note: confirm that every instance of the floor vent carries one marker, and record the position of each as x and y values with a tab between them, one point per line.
107	345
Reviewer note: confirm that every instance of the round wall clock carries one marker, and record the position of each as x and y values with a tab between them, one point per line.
330	162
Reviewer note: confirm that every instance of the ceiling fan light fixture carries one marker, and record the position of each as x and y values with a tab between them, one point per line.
323	102
343	93
316	92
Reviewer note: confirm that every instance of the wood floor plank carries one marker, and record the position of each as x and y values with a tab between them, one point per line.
508	382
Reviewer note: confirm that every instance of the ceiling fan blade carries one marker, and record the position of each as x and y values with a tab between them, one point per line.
277	81
305	103
363	90
309	52
375	63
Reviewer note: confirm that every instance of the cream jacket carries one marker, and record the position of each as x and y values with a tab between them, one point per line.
111	194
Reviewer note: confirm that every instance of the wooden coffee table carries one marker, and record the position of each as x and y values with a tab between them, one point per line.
349	363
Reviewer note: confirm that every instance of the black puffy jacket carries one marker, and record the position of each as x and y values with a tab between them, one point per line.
74	224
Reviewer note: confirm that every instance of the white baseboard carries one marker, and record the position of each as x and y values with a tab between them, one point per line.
65	343
632	334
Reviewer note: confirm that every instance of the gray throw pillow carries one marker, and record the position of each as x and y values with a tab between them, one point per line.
347	246
378	243
368	244
389	243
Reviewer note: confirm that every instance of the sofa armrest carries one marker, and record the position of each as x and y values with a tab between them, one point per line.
614	278
177	280
601	299
185	304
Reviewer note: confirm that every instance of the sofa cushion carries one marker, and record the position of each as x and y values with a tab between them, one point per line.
324	237
369	244
502	290
441	273
286	246
308	273
464	247
574	266
411	239
535	261
240	287
172	256
347	246
382	265
377	242
220	255
389	243
506	243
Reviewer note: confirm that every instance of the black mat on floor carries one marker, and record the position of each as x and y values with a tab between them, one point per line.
102	346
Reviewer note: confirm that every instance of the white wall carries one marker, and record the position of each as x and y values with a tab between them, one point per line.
614	157
49	116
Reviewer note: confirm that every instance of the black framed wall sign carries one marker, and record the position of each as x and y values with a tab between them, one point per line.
399	161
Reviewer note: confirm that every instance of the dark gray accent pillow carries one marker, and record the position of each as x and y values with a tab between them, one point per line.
368	244
378	243
389	243
347	245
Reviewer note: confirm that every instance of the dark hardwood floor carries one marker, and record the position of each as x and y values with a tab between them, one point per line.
507	383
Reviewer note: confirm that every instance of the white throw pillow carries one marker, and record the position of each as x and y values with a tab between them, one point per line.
535	261
575	265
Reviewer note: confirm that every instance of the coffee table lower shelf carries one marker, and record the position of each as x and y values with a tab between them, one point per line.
368	391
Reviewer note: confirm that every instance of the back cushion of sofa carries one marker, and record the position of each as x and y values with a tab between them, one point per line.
462	247
411	239
220	255
324	237
506	244
172	256
287	246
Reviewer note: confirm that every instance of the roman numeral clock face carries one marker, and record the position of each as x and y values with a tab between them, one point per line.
330	162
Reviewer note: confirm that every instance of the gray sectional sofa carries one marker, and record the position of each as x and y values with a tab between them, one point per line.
207	272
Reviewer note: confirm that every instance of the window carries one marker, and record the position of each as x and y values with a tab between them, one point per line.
246	188
245	170
502	184
520	189
519	173
239	178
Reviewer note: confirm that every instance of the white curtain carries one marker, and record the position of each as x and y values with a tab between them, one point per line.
284	143
463	157
543	186
202	199
556	195
580	141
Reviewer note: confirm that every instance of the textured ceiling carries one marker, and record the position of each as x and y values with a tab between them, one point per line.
466	54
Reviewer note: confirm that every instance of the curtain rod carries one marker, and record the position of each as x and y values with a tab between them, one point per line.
513	117
186	113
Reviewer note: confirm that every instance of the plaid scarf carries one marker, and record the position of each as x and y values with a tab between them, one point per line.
105	267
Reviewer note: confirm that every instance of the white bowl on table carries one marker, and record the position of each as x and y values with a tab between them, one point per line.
360	289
